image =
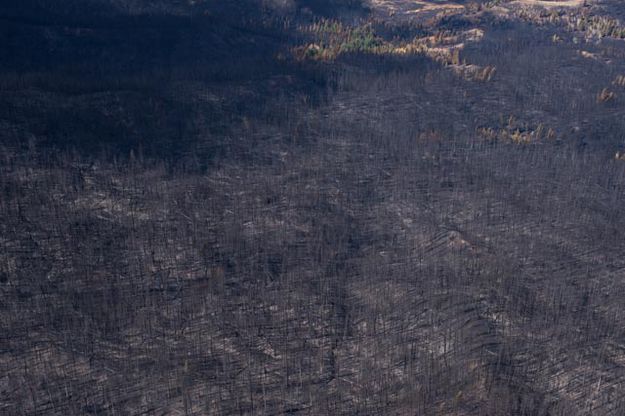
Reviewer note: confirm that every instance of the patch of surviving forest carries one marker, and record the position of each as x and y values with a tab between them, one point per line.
315	207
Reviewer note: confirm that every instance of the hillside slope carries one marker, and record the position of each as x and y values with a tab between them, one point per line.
315	208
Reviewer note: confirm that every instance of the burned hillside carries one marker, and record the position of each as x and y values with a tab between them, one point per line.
312	207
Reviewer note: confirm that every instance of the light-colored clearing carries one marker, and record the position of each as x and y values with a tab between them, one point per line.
550	3
411	7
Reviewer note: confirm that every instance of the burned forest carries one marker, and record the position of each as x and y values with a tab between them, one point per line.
312	207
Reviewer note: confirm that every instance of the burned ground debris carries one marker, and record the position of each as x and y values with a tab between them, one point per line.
316	208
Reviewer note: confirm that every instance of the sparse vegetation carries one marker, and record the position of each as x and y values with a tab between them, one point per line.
575	20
